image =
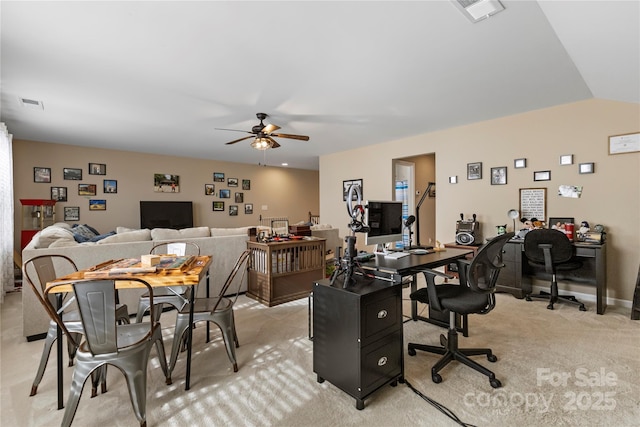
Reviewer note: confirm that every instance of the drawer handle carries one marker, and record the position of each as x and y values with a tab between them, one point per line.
382	361
382	314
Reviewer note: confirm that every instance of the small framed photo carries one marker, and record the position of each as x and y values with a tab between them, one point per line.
72	174
72	213
248	208
218	206
499	175
97	205
59	194
586	168
109	186
209	189
246	184
218	177
97	169
225	194
42	174
166	183
239	197
453	179
346	185
474	170
520	163
542	176
233	210
566	159
232	182
86	189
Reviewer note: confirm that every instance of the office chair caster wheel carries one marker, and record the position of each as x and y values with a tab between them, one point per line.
411	351
436	378
583	308
492	358
528	298
495	383
550	307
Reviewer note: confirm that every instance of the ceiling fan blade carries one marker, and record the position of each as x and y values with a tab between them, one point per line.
270	128
235	130
273	142
238	140
286	135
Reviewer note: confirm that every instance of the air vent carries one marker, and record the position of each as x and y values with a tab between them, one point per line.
477	10
31	103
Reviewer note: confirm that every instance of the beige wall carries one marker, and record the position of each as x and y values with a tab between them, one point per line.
611	195
286	192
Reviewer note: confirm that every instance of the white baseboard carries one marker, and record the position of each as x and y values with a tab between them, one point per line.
587	297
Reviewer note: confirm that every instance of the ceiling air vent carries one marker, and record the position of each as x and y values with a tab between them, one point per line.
31	103
477	10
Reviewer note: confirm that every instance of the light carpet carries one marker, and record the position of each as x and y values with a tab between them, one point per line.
561	367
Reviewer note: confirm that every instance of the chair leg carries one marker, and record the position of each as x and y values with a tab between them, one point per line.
46	351
554	297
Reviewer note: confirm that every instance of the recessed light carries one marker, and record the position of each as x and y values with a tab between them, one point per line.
31	103
285	164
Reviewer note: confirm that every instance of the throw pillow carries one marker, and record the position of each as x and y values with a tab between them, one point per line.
51	234
83	233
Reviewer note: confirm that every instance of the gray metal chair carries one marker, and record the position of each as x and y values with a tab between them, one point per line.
46	268
176	296
126	347
218	310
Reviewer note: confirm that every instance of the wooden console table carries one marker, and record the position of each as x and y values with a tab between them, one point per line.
280	272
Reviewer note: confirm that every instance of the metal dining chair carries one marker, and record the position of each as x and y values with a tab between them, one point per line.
126	347
46	268
218	310
176	296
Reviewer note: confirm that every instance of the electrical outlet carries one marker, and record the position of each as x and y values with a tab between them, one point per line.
265	207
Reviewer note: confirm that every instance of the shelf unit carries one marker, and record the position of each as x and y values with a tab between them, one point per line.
36	215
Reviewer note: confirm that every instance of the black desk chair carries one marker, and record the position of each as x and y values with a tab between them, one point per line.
551	250
474	294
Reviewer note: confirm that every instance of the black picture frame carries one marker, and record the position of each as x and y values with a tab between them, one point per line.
218	206
109	186
209	190
248	208
218	177
42	175
542	176
232	182
347	184
87	190
225	193
553	221
499	175
474	170
72	174
520	163
72	213
97	169
246	184
97	205
233	210
584	168
59	194
239	197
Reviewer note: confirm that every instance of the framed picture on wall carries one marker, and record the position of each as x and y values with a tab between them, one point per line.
97	169
72	213
41	174
218	177
59	194
86	189
225	194
499	175
233	210
110	186
97	205
218	206
73	174
209	189
474	170
246	184
347	184
248	208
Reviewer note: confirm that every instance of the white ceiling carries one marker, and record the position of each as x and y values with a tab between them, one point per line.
161	76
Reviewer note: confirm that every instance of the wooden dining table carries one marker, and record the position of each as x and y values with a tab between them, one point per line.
191	275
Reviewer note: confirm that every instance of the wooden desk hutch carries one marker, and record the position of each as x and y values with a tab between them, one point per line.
280	272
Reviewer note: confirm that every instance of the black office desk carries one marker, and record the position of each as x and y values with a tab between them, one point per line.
410	265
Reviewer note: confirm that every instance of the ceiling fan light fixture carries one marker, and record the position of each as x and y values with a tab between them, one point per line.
261	143
477	10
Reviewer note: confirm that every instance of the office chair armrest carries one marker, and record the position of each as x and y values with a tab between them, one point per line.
430	276
435	273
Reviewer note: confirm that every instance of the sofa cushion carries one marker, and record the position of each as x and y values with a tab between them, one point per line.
50	234
120	229
185	233
129	236
240	231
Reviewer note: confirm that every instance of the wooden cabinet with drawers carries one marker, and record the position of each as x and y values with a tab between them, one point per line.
357	335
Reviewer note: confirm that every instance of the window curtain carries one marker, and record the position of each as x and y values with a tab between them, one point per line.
6	210
402	195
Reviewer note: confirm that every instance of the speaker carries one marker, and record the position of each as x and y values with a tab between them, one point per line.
468	231
465	238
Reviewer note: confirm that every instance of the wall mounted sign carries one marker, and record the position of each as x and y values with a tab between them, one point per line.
533	203
628	143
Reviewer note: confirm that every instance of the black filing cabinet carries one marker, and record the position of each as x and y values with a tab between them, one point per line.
511	278
357	335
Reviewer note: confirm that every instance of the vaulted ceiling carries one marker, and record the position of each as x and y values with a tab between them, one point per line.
161	76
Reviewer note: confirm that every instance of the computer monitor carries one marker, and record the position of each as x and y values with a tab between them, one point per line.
384	219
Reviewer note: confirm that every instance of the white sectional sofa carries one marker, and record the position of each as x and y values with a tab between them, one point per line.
224	245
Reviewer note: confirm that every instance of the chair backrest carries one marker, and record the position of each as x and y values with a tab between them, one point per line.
44	268
96	299
176	248
482	274
314	219
279	227
561	247
242	260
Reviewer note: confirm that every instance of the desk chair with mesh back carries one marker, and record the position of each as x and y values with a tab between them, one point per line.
47	268
176	296
551	250
474	295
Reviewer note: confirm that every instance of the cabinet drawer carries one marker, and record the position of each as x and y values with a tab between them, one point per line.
381	363
380	315
509	252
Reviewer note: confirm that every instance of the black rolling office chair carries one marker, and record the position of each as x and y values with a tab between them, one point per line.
552	250
474	295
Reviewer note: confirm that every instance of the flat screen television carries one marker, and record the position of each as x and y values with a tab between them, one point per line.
384	219
174	215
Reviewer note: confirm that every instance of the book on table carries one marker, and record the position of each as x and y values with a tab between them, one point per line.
167	264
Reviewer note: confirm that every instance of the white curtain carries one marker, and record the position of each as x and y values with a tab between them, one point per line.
6	210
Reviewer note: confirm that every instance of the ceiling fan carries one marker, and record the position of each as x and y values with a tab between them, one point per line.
264	135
